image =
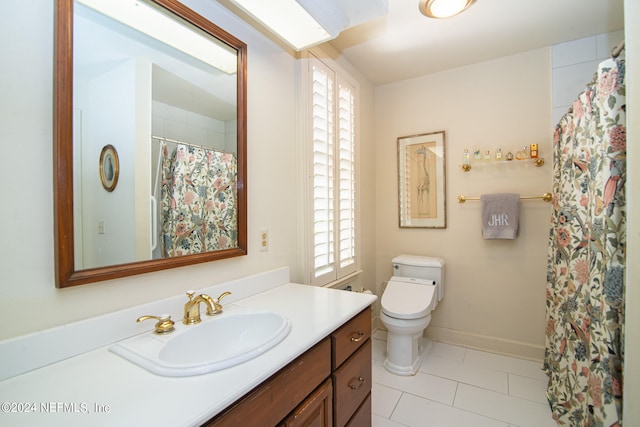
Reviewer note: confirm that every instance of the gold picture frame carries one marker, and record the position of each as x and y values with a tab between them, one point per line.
421	180
109	167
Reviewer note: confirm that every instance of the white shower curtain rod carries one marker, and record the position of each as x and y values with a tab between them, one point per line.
204	147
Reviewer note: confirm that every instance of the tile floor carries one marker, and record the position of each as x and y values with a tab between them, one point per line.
460	387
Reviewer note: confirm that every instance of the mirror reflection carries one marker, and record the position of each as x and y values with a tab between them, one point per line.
165	100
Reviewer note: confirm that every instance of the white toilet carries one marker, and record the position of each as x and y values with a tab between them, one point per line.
411	294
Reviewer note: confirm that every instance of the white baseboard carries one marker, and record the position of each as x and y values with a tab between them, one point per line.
487	343
497	345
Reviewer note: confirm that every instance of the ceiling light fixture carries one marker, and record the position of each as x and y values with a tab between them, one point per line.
301	23
443	8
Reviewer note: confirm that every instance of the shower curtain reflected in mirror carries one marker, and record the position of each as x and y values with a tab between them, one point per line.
586	264
199	210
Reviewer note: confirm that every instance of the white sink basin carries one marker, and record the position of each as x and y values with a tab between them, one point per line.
217	343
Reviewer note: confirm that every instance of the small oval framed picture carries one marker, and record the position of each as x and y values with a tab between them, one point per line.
109	167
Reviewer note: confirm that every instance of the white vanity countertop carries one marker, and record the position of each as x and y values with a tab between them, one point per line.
100	388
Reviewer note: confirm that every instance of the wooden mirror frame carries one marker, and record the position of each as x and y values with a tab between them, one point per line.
66	274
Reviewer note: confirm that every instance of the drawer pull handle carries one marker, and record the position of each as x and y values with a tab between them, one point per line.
353	385
357	338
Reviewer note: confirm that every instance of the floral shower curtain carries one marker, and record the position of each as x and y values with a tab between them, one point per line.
199	210
586	262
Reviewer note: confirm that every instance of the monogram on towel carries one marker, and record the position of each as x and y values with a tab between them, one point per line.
499	220
500	215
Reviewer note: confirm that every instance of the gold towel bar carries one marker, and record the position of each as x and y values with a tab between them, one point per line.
545	197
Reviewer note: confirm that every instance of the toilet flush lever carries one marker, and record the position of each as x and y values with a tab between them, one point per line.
357	337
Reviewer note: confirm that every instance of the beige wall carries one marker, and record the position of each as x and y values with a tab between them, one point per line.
494	290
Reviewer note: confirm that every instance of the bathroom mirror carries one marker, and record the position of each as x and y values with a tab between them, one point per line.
150	139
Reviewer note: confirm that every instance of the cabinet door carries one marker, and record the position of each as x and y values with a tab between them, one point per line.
362	418
352	384
315	411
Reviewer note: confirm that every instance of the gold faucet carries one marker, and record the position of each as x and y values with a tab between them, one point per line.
164	324
192	307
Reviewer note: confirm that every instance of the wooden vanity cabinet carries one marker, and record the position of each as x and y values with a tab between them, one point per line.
329	385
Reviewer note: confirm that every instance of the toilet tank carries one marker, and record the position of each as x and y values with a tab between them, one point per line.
421	267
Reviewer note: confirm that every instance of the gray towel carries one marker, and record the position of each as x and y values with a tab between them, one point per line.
500	215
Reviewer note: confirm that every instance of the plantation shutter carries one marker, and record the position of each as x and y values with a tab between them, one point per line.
323	171
334	189
346	174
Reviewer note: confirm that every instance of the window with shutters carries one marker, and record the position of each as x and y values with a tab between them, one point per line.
332	150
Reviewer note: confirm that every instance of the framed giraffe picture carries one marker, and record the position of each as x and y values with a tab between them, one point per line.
421	180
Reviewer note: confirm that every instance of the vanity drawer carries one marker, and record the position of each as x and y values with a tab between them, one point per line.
350	337
271	402
352	384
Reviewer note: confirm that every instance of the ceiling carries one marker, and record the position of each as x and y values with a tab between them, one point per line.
406	44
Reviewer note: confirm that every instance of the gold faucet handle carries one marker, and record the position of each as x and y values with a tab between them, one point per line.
164	325
217	307
190	294
224	294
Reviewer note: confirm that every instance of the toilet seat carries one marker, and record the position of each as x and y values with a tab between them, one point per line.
408	298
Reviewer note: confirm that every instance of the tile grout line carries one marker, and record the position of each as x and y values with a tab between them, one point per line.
453	405
455	395
468	362
396	407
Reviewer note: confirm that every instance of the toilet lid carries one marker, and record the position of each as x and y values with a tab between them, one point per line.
410	299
